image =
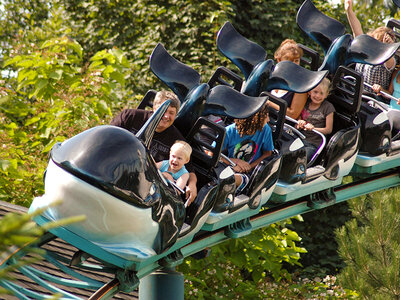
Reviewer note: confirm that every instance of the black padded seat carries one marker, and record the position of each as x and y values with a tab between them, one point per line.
242	52
321	28
199	138
179	77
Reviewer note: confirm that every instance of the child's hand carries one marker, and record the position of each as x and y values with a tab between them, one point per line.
309	126
241	166
301	124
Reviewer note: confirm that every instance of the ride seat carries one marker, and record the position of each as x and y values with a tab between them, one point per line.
147	100
344	138
205	155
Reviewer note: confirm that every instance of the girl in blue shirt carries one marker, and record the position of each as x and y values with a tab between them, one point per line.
248	142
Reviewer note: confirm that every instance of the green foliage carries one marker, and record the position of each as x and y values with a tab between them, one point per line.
238	267
55	95
186	28
369	245
374	13
317	233
18	19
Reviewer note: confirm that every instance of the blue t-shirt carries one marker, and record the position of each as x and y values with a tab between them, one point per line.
248	147
175	176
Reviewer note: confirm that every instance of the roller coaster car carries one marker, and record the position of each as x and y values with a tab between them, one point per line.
217	98
378	145
332	161
340	48
134	217
261	74
299	177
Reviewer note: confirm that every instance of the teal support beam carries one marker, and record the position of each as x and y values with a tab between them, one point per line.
161	285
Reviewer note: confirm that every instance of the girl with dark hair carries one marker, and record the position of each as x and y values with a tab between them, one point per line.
248	142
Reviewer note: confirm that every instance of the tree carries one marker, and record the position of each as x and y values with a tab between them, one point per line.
372	12
18	19
317	232
369	245
55	95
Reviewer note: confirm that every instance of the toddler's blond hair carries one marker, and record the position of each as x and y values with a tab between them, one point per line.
185	147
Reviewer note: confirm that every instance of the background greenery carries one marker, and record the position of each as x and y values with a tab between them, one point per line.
68	65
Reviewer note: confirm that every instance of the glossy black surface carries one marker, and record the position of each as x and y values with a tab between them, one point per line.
264	175
114	160
204	203
179	77
146	133
276	118
242	52
321	28
292	77
260	74
397	2
342	145
294	161
336	54
258	79
366	49
223	100
192	108
373	135
340	48
347	91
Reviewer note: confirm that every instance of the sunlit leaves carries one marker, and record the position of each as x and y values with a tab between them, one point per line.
56	95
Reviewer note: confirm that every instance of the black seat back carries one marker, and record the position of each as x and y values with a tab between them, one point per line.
199	138
347	91
276	118
310	58
224	76
147	100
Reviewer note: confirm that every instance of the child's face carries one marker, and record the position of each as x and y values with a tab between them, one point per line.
318	94
290	57
177	158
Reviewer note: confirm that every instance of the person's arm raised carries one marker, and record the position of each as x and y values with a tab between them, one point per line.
352	18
